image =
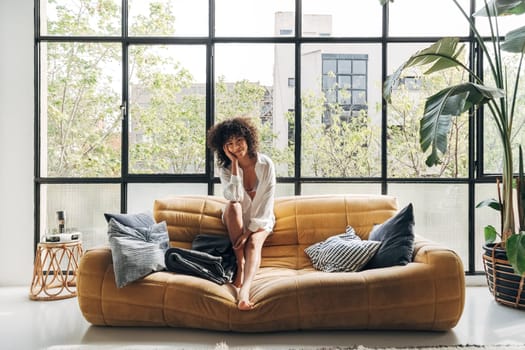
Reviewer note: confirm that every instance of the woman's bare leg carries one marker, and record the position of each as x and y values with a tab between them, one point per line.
252	252
234	225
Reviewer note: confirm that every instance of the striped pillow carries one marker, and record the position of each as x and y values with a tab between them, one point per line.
345	252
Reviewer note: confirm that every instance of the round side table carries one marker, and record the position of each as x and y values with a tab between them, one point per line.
55	270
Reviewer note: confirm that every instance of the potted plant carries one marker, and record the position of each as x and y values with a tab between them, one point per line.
499	102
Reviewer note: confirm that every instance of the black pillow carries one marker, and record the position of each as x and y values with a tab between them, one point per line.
144	219
397	240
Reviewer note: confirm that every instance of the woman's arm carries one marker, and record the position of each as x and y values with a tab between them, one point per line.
232	188
263	216
230	180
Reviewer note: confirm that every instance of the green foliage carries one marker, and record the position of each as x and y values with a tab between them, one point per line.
500	98
490	234
405	158
85	17
515	247
82	122
165	119
343	148
159	20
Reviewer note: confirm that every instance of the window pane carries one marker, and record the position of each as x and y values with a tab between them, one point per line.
345	97
359	97
359	67
84	206
359	82
345	67
340	188
492	147
255	18
341	18
344	81
341	125
436	206
329	82
80	119
168	17
329	65
82	17
252	80
405	157
426	18
484	216
142	196
167	109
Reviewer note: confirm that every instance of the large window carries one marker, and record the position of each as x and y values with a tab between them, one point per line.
128	88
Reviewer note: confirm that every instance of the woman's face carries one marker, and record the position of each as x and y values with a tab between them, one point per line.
237	146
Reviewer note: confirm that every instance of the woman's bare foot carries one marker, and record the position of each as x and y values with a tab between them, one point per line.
245	305
244	302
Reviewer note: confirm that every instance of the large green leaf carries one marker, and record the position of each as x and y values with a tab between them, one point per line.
439	108
515	246
490	234
514	41
441	55
434	128
503	7
492	203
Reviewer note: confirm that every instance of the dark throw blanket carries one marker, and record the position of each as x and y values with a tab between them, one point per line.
210	257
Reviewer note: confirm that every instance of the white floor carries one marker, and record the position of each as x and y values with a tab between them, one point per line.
26	324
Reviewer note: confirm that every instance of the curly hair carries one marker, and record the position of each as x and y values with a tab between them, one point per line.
221	133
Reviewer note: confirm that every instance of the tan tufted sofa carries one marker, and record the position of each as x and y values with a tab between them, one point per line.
427	294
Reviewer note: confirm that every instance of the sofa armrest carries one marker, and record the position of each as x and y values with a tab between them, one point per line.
430	252
448	275
444	261
95	265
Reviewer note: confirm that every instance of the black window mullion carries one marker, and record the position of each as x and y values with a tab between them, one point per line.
475	173
384	109
37	131
297	102
210	92
124	111
475	170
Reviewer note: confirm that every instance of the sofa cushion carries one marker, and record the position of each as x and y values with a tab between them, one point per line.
397	240
345	252
144	219
137	252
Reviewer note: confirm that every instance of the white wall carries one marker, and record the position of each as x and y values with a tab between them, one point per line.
16	142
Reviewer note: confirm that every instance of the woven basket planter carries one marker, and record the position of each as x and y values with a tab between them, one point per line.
507	287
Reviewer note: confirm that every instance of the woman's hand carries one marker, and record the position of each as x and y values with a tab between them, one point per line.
233	158
230	155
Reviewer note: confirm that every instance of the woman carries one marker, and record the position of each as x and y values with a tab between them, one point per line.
248	179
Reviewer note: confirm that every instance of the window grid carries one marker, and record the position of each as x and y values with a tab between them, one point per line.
209	177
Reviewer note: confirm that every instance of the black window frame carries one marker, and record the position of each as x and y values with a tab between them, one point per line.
476	174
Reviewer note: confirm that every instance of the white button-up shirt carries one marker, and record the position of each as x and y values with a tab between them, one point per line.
257	213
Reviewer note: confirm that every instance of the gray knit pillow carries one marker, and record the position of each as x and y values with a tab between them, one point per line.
137	252
345	252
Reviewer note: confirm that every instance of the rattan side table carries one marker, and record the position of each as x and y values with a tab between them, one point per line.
55	270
